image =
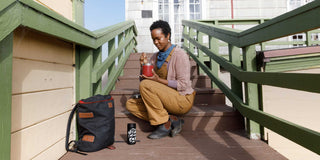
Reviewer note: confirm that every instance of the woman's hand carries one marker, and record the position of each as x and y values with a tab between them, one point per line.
143	59
156	78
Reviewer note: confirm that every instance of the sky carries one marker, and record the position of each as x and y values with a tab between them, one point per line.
103	13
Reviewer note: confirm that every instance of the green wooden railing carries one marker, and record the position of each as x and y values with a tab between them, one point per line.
119	39
303	19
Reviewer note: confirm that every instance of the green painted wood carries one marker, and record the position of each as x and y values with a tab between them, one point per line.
228	35
115	74
215	67
111	51
85	71
33	15
5	3
298	134
200	53
307	16
97	60
235	59
251	91
6	47
293	64
285	80
121	42
40	22
234	21
77	72
99	71
77	13
106	34
10	18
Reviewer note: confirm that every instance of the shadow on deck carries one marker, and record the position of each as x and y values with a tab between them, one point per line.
206	145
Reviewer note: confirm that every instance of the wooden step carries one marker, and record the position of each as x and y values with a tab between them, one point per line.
133	81
199	118
208	111
204	96
199	145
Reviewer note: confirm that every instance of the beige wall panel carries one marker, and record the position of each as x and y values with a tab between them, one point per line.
63	7
30	142
29	44
298	107
31	76
53	153
29	109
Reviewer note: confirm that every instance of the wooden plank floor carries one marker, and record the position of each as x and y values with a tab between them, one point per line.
199	145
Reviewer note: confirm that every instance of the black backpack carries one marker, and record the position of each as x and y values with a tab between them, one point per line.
95	124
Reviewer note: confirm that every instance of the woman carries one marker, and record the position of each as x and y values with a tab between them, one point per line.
168	92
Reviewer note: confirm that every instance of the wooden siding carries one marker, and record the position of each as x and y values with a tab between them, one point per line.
62	7
42	94
299	107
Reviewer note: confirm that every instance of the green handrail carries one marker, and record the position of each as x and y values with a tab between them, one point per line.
119	39
237	40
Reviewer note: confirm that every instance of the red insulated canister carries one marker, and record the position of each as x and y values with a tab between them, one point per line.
147	70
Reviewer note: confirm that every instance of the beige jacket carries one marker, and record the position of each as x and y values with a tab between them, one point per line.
178	70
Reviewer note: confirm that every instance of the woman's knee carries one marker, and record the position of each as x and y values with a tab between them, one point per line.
129	105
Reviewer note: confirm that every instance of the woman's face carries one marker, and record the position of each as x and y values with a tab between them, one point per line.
160	40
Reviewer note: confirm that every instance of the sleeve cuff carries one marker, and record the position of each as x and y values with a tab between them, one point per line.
172	84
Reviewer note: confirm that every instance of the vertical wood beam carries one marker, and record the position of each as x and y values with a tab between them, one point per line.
121	39
6	50
111	49
85	72
97	60
215	67
186	32
251	91
200	53
77	12
235	58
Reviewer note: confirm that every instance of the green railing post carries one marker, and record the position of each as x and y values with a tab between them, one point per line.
308	38
251	91
6	90
85	72
121	41
235	58
192	35
186	32
111	49
215	67
200	53
97	60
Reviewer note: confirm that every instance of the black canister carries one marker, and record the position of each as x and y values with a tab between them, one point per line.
131	133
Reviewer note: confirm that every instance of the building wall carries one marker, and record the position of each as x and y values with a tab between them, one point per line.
42	95
210	9
299	107
134	12
62	7
245	9
42	90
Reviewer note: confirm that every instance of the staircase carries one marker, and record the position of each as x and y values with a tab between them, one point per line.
212	129
209	105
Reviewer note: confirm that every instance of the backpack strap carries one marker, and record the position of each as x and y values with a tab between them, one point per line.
68	129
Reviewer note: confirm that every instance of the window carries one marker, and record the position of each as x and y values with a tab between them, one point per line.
146	13
178	16
164	10
194	8
293	4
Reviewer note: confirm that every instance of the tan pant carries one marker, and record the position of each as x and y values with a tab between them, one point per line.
157	101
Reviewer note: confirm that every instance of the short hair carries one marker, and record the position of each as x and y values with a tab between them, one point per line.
163	25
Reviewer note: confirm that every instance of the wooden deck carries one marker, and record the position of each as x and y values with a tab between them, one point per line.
197	145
